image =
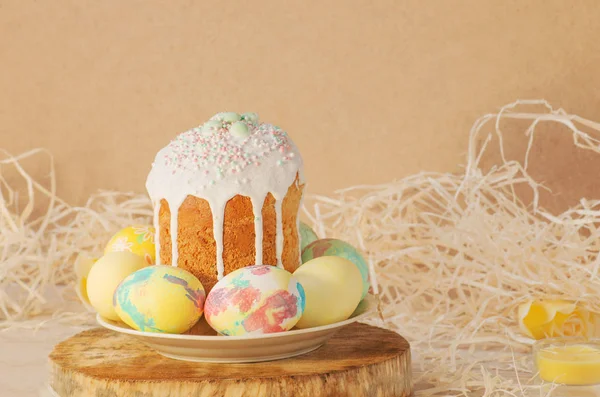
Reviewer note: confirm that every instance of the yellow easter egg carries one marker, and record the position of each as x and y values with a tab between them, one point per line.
160	299
104	277
333	288
82	267
138	239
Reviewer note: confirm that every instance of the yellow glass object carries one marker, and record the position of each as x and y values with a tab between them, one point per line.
568	361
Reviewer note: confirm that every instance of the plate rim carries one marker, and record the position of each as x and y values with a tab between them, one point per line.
370	301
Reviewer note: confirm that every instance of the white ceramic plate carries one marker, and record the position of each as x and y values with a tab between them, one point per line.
202	344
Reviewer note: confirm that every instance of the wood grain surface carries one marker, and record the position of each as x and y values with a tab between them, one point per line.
360	360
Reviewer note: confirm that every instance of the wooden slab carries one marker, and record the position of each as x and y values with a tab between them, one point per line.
360	360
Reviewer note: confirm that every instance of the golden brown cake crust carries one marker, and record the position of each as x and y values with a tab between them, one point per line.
197	246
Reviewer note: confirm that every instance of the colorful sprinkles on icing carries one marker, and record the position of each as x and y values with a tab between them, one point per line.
220	147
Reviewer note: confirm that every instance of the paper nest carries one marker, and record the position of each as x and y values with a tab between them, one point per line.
452	256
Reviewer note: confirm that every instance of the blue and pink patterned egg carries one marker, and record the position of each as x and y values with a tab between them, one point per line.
334	247
255	300
160	299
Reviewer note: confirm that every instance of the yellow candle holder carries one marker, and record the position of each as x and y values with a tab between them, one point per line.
568	361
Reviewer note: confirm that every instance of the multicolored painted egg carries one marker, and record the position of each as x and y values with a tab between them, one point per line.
255	300
104	277
333	288
162	299
334	247
138	239
307	236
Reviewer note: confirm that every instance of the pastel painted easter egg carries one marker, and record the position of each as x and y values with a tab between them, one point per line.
333	288
239	130
162	299
104	277
230	117
334	247
212	126
307	235
138	239
255	300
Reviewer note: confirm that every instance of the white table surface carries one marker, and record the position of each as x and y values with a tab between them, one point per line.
24	359
24	350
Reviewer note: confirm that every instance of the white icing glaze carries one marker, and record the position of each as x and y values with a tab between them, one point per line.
258	230
174	229
210	163
298	232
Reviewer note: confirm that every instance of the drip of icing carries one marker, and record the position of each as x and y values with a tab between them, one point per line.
157	231
258	229
211	163
174	228
298	230
218	215
279	234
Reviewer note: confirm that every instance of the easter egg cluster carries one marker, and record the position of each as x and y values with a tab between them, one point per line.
227	243
126	285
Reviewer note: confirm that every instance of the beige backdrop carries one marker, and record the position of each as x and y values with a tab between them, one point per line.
370	90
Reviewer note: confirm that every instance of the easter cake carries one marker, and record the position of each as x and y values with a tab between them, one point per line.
226	195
